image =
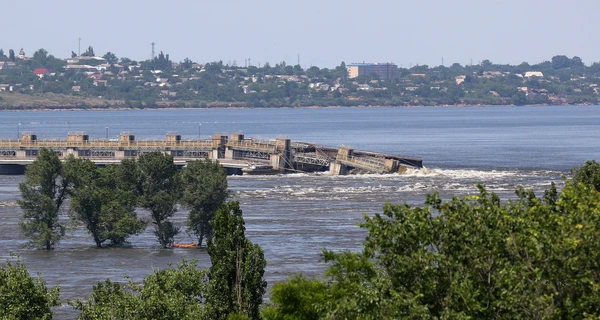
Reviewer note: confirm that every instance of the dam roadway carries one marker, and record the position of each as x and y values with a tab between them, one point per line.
239	155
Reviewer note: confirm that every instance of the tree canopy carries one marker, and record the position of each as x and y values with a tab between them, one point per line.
23	296
160	186
204	191
469	257
103	200
42	195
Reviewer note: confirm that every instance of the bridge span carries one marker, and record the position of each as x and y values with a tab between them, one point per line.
238	154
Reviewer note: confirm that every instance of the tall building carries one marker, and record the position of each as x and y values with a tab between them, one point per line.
382	70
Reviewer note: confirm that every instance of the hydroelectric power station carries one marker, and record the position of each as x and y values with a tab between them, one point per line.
238	154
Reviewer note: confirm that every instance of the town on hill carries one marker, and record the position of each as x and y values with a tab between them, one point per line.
90	81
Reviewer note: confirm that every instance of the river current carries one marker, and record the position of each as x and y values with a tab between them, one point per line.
293	217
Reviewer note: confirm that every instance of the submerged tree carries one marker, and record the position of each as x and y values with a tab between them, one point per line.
204	191
159	188
102	199
23	296
42	194
236	282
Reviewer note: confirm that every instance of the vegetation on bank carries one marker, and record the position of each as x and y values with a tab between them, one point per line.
89	81
472	257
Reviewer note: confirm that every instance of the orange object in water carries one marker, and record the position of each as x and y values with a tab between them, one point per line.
184	245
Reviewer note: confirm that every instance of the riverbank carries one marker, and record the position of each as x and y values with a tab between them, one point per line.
60	102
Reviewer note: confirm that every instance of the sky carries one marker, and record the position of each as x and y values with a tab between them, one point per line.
319	32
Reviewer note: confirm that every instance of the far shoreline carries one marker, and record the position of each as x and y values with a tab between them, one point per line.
222	107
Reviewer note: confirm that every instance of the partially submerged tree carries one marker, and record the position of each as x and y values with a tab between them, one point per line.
236	282
23	296
204	192
42	194
159	193
103	201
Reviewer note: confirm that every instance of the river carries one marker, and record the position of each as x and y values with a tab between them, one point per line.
293	217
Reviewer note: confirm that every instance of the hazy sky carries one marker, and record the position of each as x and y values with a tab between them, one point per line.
322	32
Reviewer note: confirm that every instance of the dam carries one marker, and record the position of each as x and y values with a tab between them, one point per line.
238	154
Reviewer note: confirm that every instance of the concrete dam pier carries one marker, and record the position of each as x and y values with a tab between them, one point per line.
239	155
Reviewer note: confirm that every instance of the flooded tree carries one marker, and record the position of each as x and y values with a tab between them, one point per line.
103	200
42	195
159	187
204	191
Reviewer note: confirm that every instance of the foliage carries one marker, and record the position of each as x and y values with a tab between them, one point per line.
102	199
174	293
588	174
23	296
472	257
237	267
297	298
204	191
42	194
231	289
89	52
159	192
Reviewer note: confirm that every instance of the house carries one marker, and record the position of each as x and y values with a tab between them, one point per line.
76	88
7	65
530	74
40	72
95	76
460	79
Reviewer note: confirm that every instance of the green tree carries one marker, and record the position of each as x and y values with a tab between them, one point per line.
11	55
588	174
110	57
89	52
170	294
159	193
472	257
236	282
42	194
298	298
103	201
204	192
23	296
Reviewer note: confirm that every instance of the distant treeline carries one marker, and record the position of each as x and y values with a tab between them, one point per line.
109	81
